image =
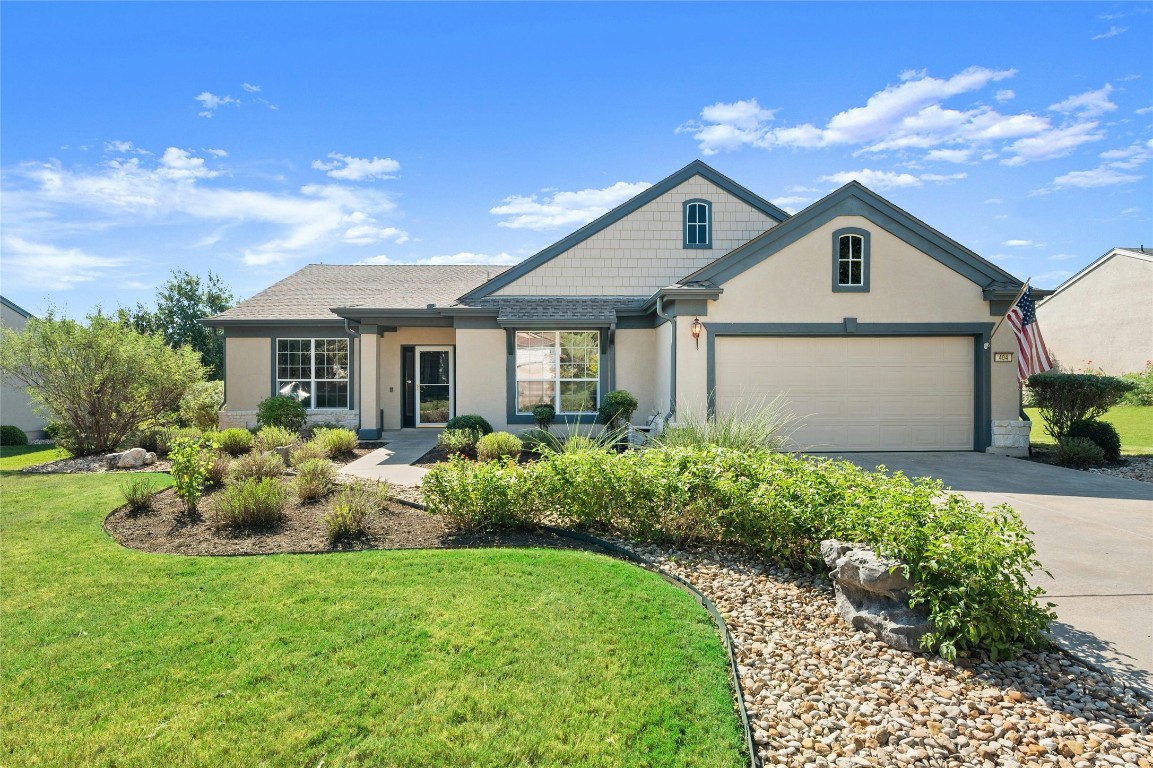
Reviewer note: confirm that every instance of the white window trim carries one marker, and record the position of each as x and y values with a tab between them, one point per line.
311	382
557	378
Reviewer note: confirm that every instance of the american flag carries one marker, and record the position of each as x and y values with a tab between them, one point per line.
1034	357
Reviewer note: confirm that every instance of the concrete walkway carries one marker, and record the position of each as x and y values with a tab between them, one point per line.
393	462
1093	532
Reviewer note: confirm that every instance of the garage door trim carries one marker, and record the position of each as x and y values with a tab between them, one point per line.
982	381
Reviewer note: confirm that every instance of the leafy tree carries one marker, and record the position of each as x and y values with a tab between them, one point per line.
180	304
100	380
1064	398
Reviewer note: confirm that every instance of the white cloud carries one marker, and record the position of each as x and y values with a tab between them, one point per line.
367	234
1113	31
880	180
217	152
210	102
123	148
1133	156
1143	111
464	257
1098	177
1005	94
950	155
994	201
44	266
1063	256
250	87
179	165
564	209
348	168
789	203
1088	104
1020	243
1058	142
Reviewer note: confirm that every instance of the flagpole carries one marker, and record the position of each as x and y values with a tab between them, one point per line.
1012	304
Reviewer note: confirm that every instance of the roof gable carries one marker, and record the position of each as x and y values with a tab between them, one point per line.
1132	253
17	309
695	168
854	199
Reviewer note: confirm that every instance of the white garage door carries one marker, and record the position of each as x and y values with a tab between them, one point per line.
857	393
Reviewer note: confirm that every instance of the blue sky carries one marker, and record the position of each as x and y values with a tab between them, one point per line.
251	139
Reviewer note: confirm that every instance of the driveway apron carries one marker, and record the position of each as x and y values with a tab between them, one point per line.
1093	532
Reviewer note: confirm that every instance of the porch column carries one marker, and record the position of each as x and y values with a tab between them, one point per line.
369	392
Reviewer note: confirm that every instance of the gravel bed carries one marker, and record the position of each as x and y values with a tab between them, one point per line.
1135	468
820	693
84	464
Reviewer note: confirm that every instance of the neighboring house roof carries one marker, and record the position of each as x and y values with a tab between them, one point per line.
695	168
854	199
311	293
15	308
1132	253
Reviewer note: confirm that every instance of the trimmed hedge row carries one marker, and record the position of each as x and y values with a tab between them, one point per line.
970	565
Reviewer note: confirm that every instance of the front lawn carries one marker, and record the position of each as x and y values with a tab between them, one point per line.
452	657
20	456
1133	422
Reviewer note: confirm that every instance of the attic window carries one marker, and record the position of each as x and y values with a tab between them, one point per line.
851	260
698	225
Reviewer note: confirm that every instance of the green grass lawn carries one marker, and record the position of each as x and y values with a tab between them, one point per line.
20	456
421	658
1133	422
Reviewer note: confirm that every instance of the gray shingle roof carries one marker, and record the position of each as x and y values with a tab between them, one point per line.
310	293
559	308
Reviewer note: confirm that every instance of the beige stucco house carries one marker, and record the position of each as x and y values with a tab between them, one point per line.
1102	317
874	326
15	405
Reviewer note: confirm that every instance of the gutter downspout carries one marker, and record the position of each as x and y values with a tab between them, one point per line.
672	359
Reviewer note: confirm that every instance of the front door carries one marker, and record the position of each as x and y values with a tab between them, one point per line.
433	386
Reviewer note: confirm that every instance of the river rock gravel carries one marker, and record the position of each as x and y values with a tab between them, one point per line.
820	693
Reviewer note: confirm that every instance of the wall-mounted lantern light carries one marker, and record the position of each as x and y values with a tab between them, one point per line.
695	328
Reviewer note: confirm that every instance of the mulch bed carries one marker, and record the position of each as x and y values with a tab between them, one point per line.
169	529
438	455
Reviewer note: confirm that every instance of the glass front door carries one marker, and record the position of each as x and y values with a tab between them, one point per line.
434	378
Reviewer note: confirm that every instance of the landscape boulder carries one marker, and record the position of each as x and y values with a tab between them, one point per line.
130	459
873	594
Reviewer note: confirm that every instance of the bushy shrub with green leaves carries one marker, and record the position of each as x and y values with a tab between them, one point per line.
314	479
201	404
1142	392
12	435
498	445
1064	398
458	441
616	408
218	471
256	465
1079	452
236	441
543	414
1102	433
281	411
338	441
192	460
969	565
469	421
275	437
250	503
139	492
357	504
309	451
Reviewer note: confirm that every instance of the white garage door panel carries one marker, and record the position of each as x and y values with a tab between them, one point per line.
856	394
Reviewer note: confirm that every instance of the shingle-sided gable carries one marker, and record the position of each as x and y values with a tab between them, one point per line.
638	247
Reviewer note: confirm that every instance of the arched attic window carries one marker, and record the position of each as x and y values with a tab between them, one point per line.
698	224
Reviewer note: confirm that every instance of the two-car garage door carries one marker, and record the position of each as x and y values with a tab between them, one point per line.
857	393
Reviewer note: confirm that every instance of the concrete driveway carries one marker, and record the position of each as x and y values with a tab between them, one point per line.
1093	532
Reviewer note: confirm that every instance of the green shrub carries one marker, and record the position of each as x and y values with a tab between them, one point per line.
356	505
314	479
616	408
484	496
337	442
1064	398
53	430
236	441
540	440
256	465
1079	452
12	435
470	421
218	470
1142	392
159	440
458	441
1102	433
309	451
760	425
275	437
139	492
201	404
153	439
498	445
249	503
192	460
543	414
281	411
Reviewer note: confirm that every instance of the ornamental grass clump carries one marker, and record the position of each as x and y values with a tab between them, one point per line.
235	441
498	445
307	452
275	437
249	503
139	493
256	465
314	479
336	441
767	425
356	505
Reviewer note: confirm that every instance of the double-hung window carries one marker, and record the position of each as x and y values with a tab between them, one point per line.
851	260
698	224
314	371
560	368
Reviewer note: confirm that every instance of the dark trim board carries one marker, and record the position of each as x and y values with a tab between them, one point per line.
982	379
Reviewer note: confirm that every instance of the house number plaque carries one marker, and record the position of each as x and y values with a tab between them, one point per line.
1002	357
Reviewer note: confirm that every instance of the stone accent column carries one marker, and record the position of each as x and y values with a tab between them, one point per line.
1010	437
369	391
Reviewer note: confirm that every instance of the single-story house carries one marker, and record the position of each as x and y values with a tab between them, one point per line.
15	405
1102	317
697	295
